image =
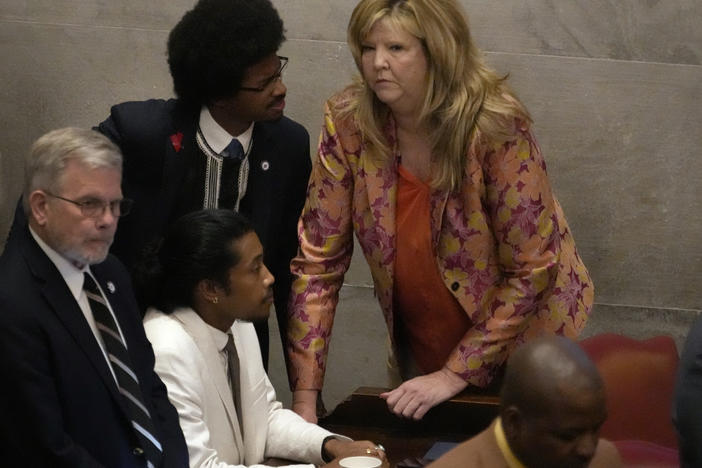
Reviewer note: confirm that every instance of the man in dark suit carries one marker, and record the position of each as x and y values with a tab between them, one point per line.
79	387
224	143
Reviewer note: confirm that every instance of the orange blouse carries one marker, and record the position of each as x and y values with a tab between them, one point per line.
431	322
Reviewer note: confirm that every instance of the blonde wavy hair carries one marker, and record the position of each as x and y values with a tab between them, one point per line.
465	102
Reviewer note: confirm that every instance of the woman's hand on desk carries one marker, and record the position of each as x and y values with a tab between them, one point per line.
415	397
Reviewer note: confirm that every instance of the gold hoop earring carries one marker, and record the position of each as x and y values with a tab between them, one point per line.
215	300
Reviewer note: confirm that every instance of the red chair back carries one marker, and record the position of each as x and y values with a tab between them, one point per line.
642	454
639	377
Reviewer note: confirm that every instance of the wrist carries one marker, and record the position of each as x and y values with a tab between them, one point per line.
305	397
327	454
454	380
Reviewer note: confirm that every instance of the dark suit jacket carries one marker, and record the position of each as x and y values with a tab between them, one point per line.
60	405
687	408
158	137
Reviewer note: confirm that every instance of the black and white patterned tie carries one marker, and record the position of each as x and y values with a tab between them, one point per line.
127	381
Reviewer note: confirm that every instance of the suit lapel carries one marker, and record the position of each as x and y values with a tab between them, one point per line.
257	202
381	179
437	205
64	305
197	329
253	396
180	147
381	183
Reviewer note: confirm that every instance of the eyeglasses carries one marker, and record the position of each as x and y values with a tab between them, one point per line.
270	80
94	208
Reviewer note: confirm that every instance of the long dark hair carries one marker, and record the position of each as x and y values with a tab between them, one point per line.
196	247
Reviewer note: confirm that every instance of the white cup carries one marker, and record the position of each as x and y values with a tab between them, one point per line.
360	462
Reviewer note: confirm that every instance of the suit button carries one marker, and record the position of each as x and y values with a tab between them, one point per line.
455	286
138	451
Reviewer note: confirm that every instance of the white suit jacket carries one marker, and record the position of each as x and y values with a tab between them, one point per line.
188	361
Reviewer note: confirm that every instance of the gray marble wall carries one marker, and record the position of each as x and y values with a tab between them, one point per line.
615	89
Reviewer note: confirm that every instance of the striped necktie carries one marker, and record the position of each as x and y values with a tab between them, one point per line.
127	381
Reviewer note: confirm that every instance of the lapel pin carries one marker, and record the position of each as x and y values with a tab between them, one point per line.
265	165
111	287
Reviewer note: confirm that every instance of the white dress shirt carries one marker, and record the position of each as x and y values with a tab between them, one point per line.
74	279
218	138
212	140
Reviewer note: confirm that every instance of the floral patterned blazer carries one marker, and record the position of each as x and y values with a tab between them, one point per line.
502	245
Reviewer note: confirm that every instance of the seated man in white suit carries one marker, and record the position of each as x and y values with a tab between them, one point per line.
209	282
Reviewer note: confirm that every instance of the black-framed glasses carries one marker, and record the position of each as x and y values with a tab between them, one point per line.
270	80
94	208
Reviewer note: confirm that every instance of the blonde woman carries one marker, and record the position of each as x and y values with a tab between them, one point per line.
429	158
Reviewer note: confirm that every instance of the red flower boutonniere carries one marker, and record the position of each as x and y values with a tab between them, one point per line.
177	140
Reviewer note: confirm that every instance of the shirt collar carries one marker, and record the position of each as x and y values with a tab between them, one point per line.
72	275
217	137
502	443
220	338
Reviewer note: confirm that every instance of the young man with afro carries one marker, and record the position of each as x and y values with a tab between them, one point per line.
223	143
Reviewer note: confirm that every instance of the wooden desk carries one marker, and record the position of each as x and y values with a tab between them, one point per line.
364	415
